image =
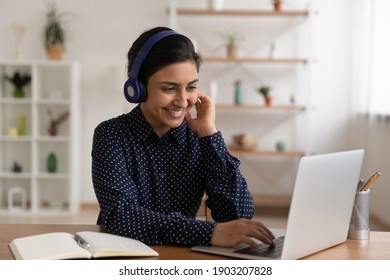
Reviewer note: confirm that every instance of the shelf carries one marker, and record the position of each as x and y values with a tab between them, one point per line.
53	101
53	176
16	101
7	138
18	212
54	86
260	107
53	139
255	60
285	68
200	12
14	175
286	154
29	62
46	210
43	211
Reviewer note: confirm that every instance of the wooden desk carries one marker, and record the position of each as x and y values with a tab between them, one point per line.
376	248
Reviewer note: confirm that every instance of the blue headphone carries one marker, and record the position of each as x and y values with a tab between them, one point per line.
134	90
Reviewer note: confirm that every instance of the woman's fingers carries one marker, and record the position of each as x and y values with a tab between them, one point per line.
241	231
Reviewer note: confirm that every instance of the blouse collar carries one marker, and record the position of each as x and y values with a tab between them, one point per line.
144	132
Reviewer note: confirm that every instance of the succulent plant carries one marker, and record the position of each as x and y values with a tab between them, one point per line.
54	30
264	90
19	81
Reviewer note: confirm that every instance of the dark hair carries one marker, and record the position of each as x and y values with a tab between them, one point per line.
169	50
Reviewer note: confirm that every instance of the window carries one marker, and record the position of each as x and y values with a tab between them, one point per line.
371	81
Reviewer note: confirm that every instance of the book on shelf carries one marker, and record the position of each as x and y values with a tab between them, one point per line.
82	245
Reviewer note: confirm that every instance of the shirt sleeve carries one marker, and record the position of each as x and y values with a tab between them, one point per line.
227	190
120	211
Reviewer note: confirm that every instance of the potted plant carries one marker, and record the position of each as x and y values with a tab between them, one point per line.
19	81
231	40
265	92
277	5
54	33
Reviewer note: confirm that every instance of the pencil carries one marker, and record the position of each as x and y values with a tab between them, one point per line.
370	182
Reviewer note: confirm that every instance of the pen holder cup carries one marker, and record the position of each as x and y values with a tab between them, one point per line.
359	227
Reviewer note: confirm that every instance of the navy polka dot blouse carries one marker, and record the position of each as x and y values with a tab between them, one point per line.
150	188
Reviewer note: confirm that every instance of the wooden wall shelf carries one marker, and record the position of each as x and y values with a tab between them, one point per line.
204	12
263	153
269	27
260	107
254	60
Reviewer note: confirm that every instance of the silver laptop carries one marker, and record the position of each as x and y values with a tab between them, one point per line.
320	210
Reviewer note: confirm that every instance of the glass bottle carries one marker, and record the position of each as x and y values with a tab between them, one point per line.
21	125
52	163
238	93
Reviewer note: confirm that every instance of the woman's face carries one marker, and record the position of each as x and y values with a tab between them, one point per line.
172	91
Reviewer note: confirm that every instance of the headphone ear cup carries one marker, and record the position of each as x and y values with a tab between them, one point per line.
142	92
134	91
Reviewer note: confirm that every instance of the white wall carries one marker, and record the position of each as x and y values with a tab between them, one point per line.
331	47
101	31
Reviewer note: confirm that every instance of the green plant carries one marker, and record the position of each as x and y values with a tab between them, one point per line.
264	90
54	32
19	81
231	39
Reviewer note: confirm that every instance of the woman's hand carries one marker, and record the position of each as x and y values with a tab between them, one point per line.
204	123
232	233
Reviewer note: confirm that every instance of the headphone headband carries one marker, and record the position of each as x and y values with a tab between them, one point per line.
134	91
148	45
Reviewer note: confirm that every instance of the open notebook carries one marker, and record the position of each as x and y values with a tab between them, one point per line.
320	210
82	245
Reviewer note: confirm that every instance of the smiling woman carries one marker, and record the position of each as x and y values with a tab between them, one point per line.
172	92
152	166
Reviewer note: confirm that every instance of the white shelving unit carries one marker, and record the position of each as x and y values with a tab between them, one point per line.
54	86
270	174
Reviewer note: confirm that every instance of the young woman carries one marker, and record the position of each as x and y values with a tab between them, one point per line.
152	166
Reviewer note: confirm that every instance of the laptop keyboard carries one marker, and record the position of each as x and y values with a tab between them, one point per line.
265	250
